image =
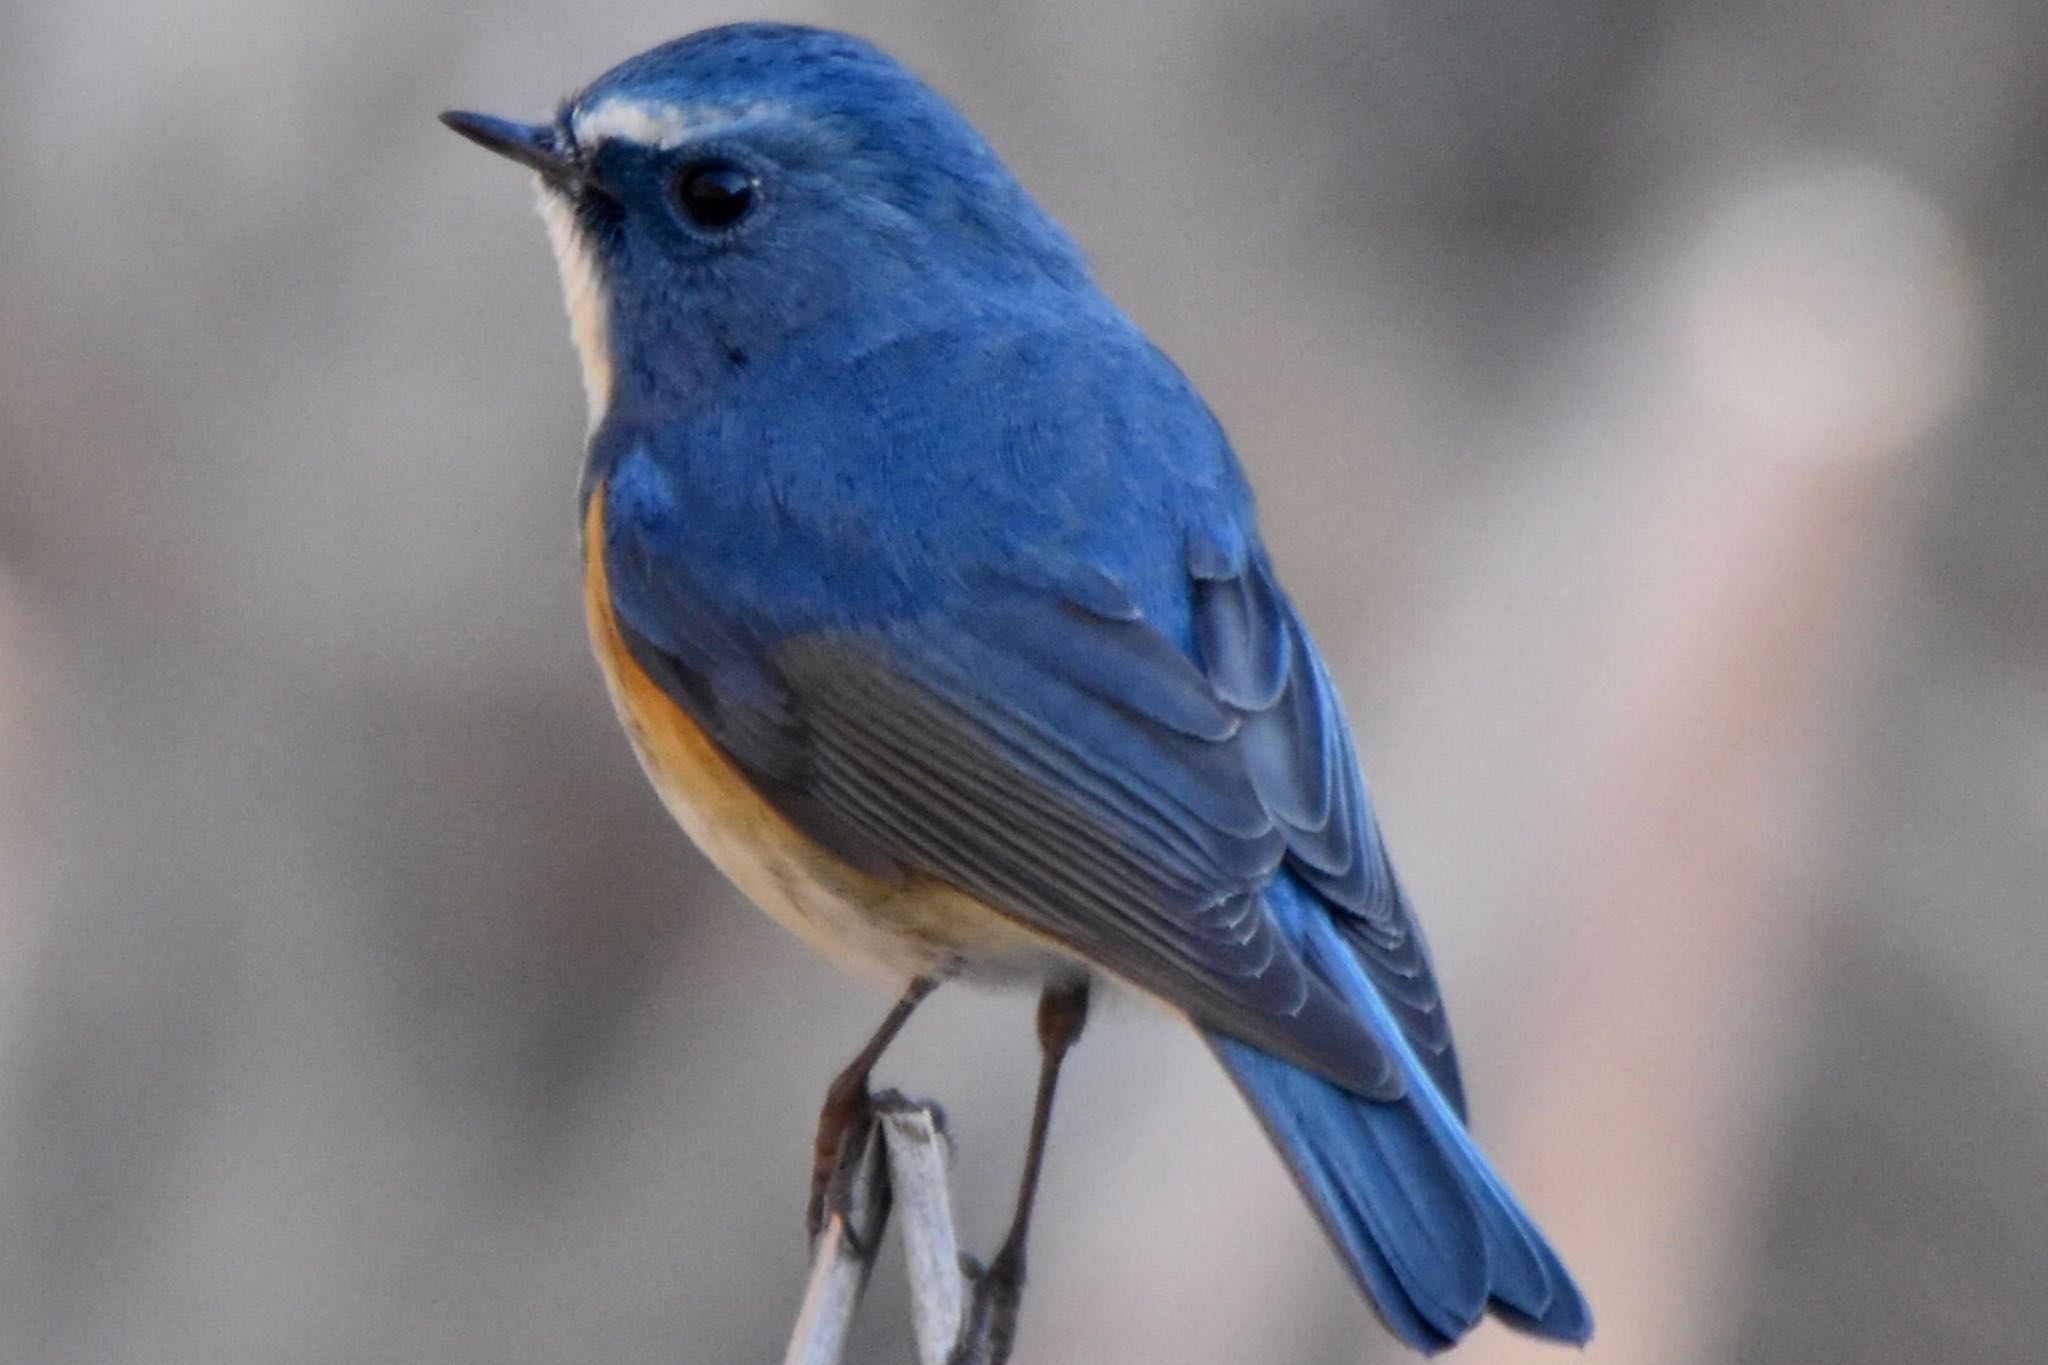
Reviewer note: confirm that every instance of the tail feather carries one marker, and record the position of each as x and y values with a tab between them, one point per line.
1429	1230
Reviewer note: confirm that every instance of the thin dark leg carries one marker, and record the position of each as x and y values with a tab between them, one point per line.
1062	1011
992	1322
846	1108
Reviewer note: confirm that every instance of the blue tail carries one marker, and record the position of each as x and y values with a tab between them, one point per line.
1432	1234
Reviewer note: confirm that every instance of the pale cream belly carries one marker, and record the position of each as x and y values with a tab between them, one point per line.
865	925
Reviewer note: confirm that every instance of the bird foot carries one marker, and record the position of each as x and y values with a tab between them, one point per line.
989	1330
843	1124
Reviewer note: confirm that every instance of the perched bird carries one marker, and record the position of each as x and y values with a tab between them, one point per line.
931	597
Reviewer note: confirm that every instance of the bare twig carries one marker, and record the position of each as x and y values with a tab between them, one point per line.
914	1136
900	1160
842	1255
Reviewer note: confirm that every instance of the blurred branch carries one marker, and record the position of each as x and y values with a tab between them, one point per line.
900	1161
1655	1081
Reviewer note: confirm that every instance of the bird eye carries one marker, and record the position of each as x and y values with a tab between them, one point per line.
714	194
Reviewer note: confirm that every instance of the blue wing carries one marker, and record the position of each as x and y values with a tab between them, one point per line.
1133	747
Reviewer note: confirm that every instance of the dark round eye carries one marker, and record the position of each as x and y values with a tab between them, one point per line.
714	194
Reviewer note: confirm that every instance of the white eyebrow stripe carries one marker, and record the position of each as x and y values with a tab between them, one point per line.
624	120
656	125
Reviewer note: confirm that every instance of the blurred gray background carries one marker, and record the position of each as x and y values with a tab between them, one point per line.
1646	398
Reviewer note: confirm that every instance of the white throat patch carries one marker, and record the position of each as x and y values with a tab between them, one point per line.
583	294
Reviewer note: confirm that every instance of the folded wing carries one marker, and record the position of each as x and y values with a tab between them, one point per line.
1128	787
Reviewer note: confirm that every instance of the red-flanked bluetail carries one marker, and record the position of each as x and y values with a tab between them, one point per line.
931	596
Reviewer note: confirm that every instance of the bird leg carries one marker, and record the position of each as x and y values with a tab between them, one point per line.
848	1110
991	1323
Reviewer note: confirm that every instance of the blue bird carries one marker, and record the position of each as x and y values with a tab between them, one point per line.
931	597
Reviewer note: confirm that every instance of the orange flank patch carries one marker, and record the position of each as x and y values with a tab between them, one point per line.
877	928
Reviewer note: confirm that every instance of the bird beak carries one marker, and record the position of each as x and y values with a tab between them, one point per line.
530	144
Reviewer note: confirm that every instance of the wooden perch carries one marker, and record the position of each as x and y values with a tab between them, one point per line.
900	1161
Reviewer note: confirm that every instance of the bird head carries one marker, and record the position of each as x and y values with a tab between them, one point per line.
741	191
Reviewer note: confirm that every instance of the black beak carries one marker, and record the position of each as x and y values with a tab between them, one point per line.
532	145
